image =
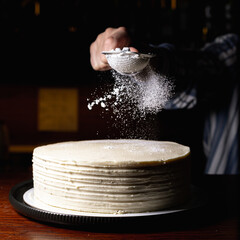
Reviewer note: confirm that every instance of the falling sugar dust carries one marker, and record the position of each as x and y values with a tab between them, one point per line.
133	99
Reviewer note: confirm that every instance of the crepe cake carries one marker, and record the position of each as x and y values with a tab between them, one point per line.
112	176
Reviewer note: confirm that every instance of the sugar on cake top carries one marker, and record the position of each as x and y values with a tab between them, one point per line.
115	153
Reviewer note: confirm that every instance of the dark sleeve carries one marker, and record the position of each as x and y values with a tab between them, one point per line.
200	76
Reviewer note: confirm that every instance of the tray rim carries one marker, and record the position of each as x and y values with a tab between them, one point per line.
16	199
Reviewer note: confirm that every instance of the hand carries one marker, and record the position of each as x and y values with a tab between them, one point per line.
110	39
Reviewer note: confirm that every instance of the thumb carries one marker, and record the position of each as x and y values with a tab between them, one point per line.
132	49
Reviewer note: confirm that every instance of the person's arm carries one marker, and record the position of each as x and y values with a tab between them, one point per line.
198	75
201	76
178	66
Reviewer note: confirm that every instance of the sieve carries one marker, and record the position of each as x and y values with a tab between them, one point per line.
126	62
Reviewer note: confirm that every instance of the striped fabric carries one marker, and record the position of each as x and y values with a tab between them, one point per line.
186	99
220	140
221	128
221	131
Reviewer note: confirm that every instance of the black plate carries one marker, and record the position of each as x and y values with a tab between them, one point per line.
100	222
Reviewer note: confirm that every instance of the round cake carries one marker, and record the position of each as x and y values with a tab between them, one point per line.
112	176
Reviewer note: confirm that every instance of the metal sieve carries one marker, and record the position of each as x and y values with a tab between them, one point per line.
126	62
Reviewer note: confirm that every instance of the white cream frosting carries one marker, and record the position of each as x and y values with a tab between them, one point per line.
112	176
112	152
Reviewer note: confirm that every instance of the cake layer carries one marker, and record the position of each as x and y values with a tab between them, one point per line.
106	153
111	184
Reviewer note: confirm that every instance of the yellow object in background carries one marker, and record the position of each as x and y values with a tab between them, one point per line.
58	109
37	8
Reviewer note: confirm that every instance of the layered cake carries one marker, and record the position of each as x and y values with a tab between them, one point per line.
112	176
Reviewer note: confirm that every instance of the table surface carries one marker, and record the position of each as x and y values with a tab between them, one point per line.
217	221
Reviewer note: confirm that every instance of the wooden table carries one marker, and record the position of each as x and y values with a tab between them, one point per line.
218	221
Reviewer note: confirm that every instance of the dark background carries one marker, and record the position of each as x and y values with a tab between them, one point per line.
56	41
50	48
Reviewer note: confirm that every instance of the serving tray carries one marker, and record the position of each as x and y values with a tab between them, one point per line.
22	199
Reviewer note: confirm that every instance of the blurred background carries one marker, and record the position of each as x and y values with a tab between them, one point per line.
45	72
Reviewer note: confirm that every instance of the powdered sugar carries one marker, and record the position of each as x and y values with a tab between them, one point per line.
126	62
135	96
155	91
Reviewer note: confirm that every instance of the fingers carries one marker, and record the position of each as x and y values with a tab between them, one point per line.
132	49
97	59
110	39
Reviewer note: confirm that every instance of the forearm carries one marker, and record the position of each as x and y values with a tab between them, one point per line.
199	76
